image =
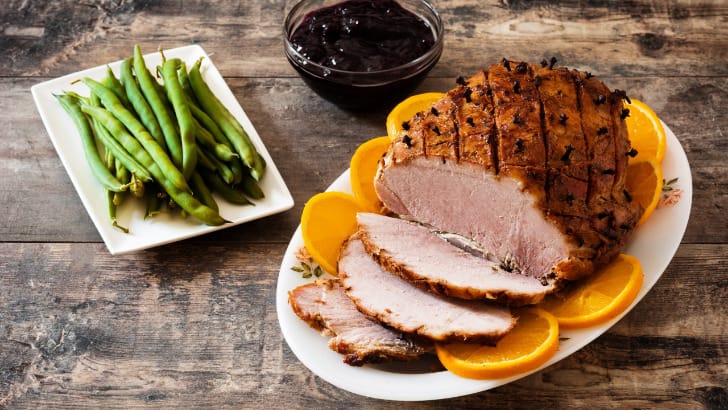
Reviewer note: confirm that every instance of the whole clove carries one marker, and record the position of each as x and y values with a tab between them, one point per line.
461	81
624	114
519	145
602	131
562	118
552	62
434	111
407	141
632	153
516	119
470	121
507	64
468	92
405	125
567	153
516	87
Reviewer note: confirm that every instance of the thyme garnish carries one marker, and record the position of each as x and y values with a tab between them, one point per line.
668	186
306	267
308	270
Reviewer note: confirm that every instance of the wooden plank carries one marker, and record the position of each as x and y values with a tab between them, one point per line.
626	39
196	326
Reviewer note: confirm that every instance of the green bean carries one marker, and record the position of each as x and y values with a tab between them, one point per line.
184	81
225	191
205	138
139	103
204	160
115	85
120	153
149	87
209	124
223	170
111	207
202	192
109	99
88	142
111	196
153	201
123	175
185	121
181	197
228	124
250	187
238	169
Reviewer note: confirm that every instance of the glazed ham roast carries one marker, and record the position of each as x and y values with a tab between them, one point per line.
508	187
528	161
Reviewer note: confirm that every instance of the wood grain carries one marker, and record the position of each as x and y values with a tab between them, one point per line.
181	326
193	324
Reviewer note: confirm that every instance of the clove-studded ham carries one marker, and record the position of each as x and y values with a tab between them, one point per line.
325	307
527	161
395	302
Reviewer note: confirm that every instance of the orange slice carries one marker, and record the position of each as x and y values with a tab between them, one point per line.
600	297
645	132
533	340
363	168
644	184
328	219
407	109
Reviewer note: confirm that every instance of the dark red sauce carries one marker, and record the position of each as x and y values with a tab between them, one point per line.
362	35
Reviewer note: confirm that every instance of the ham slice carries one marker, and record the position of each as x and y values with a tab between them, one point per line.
419	255
326	308
397	303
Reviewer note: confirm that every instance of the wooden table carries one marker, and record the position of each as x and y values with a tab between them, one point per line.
193	324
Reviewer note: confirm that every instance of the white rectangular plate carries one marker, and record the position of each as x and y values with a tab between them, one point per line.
163	228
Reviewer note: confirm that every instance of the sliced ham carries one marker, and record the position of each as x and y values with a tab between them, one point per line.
417	254
326	308
397	303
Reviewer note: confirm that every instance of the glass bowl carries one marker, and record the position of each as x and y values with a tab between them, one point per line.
362	90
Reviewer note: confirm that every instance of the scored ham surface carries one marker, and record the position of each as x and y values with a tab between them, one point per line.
419	255
397	303
325	307
527	161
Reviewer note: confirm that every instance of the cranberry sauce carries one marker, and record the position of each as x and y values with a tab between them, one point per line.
362	35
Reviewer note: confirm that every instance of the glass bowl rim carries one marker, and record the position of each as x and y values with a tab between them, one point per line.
432	54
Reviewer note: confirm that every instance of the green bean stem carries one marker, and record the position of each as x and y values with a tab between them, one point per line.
185	121
151	90
112	103
98	168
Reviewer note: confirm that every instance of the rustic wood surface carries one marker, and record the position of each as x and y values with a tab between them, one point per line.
193	324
